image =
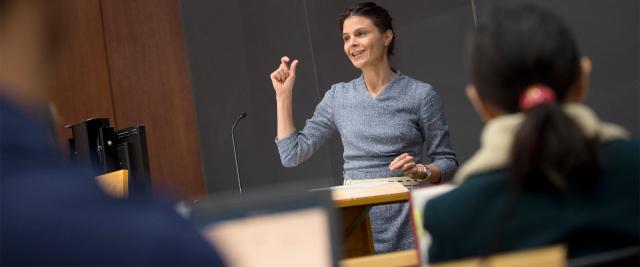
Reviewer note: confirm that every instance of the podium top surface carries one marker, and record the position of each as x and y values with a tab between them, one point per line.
368	194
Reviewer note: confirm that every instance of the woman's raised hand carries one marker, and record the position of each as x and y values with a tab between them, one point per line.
284	77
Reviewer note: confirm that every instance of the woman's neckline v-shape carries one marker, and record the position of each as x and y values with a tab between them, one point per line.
383	92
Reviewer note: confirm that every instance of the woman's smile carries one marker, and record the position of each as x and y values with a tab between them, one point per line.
358	55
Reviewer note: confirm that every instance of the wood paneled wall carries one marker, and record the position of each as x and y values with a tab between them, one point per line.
126	61
150	84
80	86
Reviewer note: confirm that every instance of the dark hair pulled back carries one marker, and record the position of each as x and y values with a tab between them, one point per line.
523	45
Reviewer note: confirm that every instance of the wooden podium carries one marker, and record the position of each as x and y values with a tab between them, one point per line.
355	202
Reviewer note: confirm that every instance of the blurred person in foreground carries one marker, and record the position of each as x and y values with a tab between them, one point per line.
51	212
548	170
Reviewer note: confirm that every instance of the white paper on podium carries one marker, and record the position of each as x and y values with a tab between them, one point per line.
358	186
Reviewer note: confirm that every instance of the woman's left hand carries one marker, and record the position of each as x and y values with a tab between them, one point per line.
406	163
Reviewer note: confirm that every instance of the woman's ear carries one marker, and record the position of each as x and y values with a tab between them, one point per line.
580	89
486	111
388	37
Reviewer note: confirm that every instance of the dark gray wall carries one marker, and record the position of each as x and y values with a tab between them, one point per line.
234	45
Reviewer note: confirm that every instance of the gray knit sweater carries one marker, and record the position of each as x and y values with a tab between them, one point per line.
374	130
406	115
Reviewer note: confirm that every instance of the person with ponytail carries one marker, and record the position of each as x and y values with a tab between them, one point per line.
548	170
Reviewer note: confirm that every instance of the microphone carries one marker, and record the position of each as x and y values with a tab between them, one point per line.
235	154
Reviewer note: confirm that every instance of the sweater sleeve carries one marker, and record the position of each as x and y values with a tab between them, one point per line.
299	146
436	134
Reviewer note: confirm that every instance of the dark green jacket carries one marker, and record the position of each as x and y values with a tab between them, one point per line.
464	221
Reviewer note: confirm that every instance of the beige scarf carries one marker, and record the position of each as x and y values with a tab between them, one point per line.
497	137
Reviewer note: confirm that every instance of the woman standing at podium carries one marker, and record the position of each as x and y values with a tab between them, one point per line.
383	117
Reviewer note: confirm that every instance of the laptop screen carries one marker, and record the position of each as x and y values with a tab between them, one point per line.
271	228
292	238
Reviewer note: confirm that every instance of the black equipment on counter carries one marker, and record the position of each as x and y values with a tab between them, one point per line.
101	147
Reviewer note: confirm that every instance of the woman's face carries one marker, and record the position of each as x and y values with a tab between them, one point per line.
364	44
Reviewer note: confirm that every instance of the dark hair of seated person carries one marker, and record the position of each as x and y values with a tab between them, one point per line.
518	47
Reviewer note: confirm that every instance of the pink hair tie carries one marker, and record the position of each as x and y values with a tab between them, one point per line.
536	95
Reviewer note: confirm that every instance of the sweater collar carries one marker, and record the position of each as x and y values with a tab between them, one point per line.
498	134
387	89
